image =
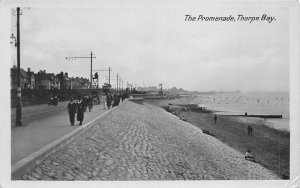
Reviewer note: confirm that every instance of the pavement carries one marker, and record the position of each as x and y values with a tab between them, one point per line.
144	142
43	124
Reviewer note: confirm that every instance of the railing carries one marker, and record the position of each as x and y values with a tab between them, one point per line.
35	96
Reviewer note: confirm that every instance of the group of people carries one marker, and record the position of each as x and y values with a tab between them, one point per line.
78	107
112	100
249	156
250	130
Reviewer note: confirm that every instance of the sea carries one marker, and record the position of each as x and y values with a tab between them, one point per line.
252	103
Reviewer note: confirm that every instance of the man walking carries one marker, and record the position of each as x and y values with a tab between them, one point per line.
104	101
80	110
251	130
248	128
116	100
108	100
215	118
72	107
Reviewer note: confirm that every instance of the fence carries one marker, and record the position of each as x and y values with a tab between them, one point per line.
41	96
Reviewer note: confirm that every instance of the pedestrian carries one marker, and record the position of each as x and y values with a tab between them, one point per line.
251	130
123	97
108	100
80	110
215	118
72	107
116	100
104	101
90	103
249	156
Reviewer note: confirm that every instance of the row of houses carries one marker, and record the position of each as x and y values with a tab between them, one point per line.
47	81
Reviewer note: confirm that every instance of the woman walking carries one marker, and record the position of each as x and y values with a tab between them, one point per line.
72	107
80	110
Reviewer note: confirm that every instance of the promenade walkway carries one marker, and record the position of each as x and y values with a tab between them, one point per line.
143	142
45	127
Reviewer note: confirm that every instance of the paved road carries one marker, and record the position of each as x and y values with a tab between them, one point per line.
43	125
31	113
142	142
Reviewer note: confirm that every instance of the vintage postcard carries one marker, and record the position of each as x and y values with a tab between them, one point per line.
150	93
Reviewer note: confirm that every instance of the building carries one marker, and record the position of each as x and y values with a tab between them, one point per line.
64	81
25	79
79	83
46	81
31	79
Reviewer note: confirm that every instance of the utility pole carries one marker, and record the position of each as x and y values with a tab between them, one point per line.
19	102
91	73
121	88
91	76
122	85
117	82
108	73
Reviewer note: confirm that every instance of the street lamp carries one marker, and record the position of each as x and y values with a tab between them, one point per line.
17	44
13	39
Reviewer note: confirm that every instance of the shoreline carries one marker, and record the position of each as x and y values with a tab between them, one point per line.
270	146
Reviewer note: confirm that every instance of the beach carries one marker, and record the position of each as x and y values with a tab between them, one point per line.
270	146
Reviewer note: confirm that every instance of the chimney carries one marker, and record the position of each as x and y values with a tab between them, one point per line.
28	69
66	74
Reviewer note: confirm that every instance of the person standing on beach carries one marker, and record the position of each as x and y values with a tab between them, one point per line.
215	118
72	107
248	128
249	156
251	130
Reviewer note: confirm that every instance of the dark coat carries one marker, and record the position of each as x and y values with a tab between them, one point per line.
72	108
116	101
108	100
80	111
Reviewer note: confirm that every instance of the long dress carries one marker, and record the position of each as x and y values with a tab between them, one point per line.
108	100
72	110
80	111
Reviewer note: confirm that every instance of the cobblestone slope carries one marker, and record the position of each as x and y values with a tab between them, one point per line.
143	142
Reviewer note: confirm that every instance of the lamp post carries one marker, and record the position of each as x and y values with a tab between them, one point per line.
17	44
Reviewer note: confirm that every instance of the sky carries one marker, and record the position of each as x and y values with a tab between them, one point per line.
151	43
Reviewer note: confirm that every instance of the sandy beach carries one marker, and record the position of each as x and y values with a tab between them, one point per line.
271	147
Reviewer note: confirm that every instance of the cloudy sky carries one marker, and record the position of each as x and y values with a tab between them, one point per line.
147	44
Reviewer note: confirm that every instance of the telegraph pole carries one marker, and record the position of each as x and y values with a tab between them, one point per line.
91	73
92	56
117	82
109	75
19	102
